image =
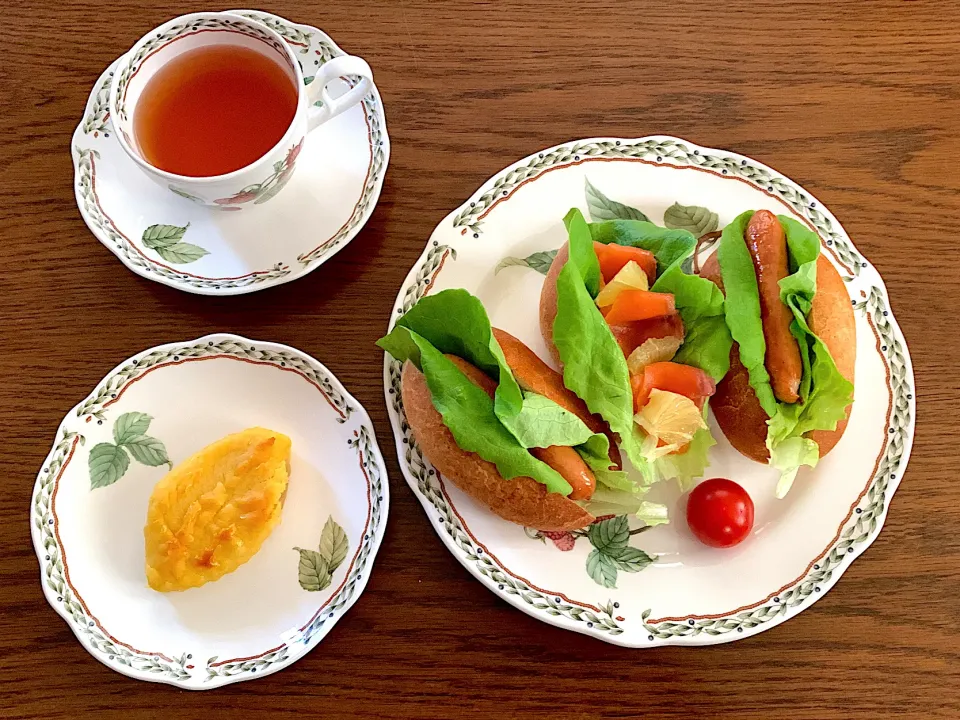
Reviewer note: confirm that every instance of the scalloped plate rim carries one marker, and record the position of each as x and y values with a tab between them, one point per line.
363	579
625	639
253	287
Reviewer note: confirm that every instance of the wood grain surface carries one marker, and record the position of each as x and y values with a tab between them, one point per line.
857	101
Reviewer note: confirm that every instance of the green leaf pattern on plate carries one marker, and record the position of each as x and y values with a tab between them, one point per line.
130	425
167	241
161	236
316	568
333	543
603	208
539	261
602	568
610	537
314	572
182	253
630	559
108	462
698	220
147	451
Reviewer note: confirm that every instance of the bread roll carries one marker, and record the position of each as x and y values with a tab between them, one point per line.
548	301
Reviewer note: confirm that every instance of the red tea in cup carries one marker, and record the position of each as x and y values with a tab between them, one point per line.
213	110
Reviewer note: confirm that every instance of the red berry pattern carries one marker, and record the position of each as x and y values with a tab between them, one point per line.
563	540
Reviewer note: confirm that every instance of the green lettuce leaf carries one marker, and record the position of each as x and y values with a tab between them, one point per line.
743	307
652	513
695	296
595	453
616	493
469	414
668	246
582	254
706	345
788	455
707	341
593	364
455	322
690	464
542	423
606	501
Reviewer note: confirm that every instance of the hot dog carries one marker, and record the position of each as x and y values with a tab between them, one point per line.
735	405
768	249
535	375
571	467
493	418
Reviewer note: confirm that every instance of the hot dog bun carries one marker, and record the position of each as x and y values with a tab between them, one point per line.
735	404
831	318
548	301
521	500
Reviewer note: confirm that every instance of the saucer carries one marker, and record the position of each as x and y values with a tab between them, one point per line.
171	240
155	410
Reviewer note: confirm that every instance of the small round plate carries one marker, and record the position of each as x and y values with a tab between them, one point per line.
662	586
328	200
88	526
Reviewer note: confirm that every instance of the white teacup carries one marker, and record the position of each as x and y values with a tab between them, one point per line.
262	179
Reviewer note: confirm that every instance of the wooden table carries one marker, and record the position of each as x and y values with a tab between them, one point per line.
859	102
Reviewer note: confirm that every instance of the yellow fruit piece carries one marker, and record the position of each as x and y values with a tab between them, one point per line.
653	350
212	512
630	277
670	417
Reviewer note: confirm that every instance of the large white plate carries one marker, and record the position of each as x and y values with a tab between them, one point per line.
258	619
690	594
328	200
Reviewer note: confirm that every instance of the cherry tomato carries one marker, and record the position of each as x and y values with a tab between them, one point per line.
720	513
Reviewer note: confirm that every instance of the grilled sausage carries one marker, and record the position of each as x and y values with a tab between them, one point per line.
768	248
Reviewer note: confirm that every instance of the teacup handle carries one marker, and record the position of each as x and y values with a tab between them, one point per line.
329	71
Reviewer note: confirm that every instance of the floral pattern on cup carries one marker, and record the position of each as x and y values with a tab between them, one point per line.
261	192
